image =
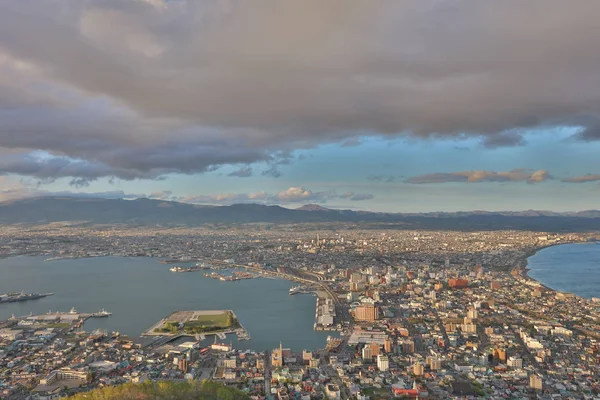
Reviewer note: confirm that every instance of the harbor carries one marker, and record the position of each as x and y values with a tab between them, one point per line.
71	319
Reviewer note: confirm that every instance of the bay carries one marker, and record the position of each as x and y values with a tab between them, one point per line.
141	291
573	268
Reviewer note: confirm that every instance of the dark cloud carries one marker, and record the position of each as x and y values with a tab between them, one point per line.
506	139
352	142
516	175
583	178
142	89
272	171
590	133
243	172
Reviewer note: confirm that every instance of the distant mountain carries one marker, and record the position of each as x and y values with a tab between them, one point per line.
312	207
146	212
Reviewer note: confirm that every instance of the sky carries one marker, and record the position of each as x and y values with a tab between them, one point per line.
395	106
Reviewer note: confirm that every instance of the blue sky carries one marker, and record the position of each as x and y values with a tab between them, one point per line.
381	166
385	106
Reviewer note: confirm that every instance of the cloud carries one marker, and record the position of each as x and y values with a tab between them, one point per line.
505	139
272	171
243	172
516	175
11	189
143	89
357	196
289	196
589	133
384	178
583	178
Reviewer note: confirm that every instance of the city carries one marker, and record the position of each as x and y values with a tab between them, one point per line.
299	200
421	315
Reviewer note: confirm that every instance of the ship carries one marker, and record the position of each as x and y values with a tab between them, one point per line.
300	290
14	297
102	314
177	268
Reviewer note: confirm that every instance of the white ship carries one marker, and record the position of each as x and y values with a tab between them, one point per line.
102	314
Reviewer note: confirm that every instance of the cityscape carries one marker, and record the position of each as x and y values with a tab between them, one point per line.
299	200
414	314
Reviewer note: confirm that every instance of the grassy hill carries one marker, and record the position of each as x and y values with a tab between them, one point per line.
205	390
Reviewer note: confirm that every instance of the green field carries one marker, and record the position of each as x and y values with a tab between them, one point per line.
210	323
222	319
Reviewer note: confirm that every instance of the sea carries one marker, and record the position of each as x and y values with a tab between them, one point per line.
573	268
140	291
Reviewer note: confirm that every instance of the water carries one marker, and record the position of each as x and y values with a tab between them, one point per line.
573	268
141	291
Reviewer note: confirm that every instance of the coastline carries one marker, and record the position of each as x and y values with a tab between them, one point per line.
523	270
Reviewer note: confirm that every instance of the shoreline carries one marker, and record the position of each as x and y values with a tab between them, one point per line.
523	270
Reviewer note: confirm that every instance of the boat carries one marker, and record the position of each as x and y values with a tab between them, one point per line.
102	314
14	297
300	290
176	268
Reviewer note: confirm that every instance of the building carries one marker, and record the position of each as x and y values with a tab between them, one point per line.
418	369
332	391
277	356
472	314
367	353
366	312
408	346
64	374
435	364
307	355
456	283
375	349
515	362
383	363
499	354
387	345
535	382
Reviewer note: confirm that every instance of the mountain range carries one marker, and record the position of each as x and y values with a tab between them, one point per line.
150	212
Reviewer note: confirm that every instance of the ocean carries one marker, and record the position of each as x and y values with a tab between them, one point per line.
573	268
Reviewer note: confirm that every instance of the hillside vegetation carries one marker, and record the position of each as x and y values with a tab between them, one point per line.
205	390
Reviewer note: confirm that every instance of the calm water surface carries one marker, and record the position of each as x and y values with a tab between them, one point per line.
140	291
573	268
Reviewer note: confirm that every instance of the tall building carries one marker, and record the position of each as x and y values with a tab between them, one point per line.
472	314
387	345
535	382
383	363
374	349
307	355
277	355
408	346
435	364
366	312
418	369
367	354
